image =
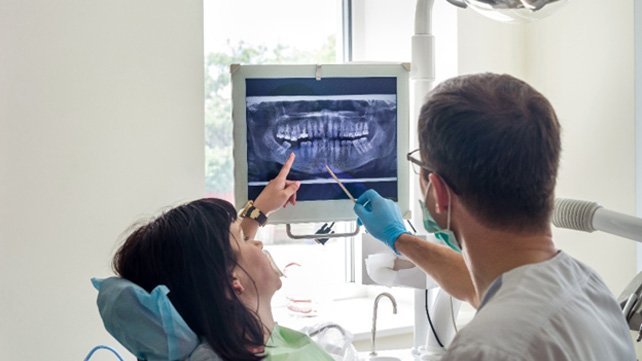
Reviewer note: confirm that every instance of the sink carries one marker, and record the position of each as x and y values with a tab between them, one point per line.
388	355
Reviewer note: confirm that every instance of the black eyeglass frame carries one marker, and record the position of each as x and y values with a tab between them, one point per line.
418	162
421	164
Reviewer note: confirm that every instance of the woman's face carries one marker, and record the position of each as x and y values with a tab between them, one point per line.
254	263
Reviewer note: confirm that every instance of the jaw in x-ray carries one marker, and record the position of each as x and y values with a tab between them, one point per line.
354	135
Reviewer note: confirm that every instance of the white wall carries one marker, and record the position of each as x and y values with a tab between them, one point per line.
374	37
101	123
383	33
582	59
485	45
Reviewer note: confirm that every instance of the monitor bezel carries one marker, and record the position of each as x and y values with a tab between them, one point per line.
324	210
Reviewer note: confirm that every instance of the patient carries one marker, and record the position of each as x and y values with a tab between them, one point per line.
220	280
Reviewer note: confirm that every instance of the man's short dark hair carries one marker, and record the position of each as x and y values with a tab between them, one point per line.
496	142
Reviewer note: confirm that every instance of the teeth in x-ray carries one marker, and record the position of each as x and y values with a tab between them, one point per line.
324	139
316	130
344	133
284	147
357	146
361	147
365	145
309	129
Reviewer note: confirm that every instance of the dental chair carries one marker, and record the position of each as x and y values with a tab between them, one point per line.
147	324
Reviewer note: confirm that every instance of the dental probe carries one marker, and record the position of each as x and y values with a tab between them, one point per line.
345	190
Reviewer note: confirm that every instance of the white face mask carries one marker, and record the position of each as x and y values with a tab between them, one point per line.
445	235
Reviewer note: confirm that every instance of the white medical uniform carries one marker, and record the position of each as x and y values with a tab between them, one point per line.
558	310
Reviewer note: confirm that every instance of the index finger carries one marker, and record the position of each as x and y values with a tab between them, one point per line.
286	167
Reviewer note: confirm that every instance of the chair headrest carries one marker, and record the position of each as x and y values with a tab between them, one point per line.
147	324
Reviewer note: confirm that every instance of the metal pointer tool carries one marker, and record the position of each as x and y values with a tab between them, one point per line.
340	184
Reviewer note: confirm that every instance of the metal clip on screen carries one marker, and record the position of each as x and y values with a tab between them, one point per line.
288	230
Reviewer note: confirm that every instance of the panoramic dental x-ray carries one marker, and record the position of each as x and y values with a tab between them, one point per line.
324	122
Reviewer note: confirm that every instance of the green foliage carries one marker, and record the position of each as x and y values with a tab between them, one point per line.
219	165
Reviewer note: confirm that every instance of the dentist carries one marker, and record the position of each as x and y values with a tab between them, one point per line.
489	148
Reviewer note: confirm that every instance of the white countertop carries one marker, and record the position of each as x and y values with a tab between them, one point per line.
355	315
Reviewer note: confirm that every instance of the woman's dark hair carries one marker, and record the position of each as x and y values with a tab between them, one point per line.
188	249
496	141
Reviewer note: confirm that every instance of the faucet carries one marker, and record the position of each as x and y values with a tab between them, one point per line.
327	327
374	317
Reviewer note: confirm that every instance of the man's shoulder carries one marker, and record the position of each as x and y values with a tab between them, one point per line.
560	277
499	331
480	351
535	311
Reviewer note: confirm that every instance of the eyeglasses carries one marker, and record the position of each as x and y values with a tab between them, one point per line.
417	164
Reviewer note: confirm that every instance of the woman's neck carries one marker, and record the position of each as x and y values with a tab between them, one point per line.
267	319
262	306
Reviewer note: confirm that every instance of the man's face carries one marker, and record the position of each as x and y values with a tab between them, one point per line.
428	196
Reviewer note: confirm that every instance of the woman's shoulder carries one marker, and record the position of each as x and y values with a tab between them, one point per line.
286	336
294	345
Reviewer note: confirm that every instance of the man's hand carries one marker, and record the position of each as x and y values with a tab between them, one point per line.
381	217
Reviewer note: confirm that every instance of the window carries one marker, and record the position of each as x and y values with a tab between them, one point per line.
279	31
256	32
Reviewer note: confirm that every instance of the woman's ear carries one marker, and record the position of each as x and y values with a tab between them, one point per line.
237	285
441	193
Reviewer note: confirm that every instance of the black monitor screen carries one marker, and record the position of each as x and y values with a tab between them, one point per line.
348	123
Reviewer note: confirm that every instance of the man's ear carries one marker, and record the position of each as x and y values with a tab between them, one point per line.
441	193
236	284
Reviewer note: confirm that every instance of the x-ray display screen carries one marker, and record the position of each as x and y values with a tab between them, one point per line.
348	123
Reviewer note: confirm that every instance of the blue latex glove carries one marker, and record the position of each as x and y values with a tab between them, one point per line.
381	217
